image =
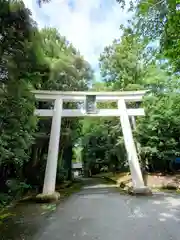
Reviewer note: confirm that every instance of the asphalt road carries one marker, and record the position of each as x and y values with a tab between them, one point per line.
100	212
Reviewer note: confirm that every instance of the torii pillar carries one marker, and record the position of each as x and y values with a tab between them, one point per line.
136	174
49	192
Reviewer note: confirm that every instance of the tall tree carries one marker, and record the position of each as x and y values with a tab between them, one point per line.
158	131
32	59
68	72
101	140
19	62
158	21
127	65
123	63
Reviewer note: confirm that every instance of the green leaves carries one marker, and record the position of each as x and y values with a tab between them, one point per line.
158	132
100	139
69	71
17	105
122	63
160	21
131	64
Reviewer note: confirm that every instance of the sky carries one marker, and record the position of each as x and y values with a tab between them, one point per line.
89	24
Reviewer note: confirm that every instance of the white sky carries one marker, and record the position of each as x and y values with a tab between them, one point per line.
89	24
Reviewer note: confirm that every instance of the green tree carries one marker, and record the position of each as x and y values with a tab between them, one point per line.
158	21
101	140
68	72
127	64
158	131
32	59
21	64
123	64
18	54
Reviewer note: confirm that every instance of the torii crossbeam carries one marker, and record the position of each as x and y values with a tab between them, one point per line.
121	98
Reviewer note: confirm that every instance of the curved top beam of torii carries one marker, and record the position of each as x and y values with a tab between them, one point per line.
75	96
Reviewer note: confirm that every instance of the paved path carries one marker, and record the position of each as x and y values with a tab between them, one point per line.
99	212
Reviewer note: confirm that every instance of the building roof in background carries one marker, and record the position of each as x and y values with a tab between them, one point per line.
77	165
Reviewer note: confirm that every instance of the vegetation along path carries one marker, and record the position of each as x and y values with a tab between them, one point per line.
98	211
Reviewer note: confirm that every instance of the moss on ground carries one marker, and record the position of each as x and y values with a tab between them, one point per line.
41	198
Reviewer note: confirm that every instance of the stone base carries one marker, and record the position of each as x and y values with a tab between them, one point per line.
46	198
143	191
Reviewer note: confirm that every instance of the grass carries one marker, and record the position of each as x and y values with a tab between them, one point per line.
4	216
119	178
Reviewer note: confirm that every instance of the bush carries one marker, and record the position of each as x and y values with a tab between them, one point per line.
4	199
17	188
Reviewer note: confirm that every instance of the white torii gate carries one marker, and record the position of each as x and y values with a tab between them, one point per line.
58	112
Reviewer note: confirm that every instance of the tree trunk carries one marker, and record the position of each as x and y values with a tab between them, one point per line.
68	161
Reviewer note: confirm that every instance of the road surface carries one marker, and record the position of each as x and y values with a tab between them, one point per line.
100	212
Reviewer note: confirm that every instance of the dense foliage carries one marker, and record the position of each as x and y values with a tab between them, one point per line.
146	56
158	21
32	59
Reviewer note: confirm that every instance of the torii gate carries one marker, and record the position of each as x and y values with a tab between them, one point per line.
58	112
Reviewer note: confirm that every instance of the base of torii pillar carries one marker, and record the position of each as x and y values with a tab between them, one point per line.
47	198
143	191
49	194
